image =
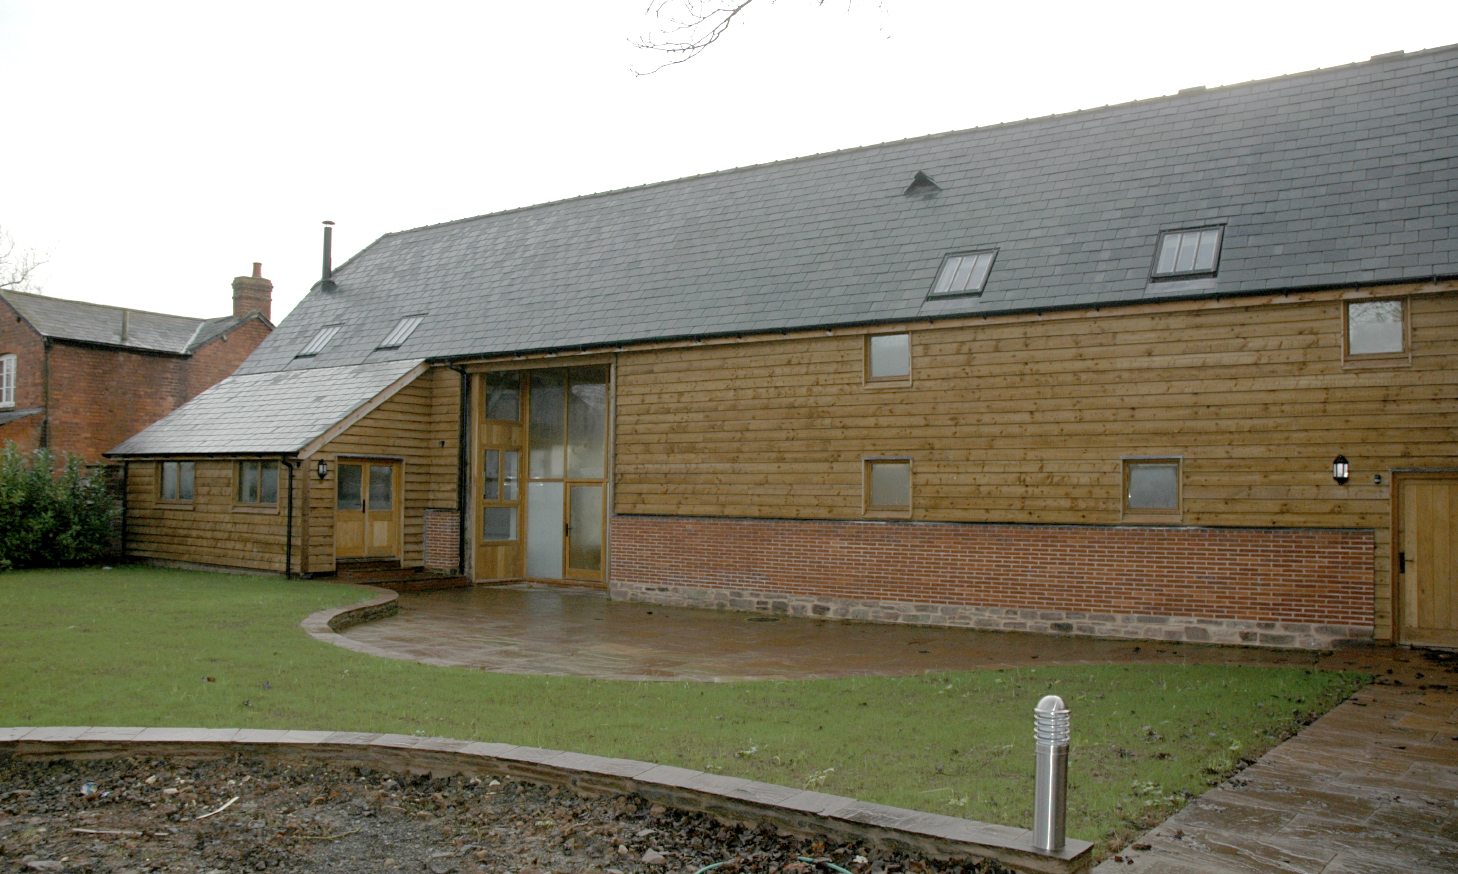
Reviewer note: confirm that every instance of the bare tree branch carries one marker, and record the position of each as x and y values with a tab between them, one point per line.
18	265
689	30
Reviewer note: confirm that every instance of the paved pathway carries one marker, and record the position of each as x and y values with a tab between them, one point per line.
1371	787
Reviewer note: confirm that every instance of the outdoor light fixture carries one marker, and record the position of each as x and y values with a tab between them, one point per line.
323	468
1340	469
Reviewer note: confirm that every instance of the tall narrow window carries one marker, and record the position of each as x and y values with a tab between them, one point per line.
1376	329
887	483
320	339
888	358
258	482
178	478
1152	489
503	396
964	274
1188	253
7	381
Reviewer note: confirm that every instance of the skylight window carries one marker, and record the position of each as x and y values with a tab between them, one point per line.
1188	253
964	274
320	340
402	332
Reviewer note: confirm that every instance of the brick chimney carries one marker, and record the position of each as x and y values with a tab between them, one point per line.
252	293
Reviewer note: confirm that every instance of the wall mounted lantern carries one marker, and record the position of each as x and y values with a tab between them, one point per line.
1340	470
323	468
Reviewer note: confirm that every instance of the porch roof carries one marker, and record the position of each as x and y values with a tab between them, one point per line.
1335	177
267	413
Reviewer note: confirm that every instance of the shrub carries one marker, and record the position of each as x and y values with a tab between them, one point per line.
51	517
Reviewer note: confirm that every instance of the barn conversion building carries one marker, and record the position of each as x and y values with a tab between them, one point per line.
1181	369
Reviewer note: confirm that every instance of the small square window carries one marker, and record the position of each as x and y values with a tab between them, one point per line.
888	487
258	482
1152	489
320	339
1188	253
964	274
178	479
888	358
402	332
1376	329
498	524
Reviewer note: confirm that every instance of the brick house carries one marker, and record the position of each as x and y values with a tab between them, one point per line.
81	377
1179	369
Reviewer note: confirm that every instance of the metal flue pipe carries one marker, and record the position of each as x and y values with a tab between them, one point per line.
1050	801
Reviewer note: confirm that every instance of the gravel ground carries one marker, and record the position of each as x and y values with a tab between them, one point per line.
242	814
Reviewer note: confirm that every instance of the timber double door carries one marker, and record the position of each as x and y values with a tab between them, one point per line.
542	475
367	509
1427	559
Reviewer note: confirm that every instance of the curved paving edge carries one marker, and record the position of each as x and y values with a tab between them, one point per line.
326	624
729	798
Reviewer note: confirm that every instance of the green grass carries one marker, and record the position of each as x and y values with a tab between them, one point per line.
142	646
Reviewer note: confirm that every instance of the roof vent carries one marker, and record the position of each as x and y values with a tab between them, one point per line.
922	186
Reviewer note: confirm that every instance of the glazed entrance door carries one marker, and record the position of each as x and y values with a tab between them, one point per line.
567	474
1427	564
366	510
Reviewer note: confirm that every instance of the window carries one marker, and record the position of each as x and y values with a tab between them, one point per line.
7	381
178	478
320	340
1152	489
402	332
1188	253
888	487
258	482
503	396
500	484
888	358
964	274
1376	330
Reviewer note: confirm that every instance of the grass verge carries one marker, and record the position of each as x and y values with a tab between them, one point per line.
145	646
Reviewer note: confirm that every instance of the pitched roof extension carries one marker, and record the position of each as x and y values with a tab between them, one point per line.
1328	178
83	322
265	413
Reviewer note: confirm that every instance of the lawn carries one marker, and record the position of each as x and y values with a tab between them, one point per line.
144	646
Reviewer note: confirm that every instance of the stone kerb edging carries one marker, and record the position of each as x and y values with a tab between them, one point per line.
728	798
326	623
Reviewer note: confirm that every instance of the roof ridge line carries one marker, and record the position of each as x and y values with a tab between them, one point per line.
1184	94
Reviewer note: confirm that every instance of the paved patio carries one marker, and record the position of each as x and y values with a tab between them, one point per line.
1372	786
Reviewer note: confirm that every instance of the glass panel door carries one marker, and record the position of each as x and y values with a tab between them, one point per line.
349	515
544	530
584	532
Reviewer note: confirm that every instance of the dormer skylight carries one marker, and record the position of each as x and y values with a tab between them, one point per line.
320	340
402	332
964	274
1194	252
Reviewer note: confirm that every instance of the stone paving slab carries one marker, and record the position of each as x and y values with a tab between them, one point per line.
732	798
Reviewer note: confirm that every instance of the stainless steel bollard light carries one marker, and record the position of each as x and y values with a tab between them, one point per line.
1050	801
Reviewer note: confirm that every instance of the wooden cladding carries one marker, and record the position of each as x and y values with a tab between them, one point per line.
1029	420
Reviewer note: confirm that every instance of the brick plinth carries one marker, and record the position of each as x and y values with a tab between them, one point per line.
442	539
1267	587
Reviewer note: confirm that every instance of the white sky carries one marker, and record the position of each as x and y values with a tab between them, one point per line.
158	149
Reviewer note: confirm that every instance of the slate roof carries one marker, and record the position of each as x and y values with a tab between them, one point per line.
8	416
1333	177
264	413
97	323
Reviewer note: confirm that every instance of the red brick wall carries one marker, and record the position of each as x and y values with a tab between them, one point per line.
1253	575
216	361
16	338
442	539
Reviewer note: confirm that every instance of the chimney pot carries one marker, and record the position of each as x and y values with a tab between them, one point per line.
257	269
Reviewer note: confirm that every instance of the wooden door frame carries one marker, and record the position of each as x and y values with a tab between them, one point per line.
1398	584
398	498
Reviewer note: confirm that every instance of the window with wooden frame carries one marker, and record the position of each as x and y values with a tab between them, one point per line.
176	480
503	396
258	483
7	381
887	488
1153	490
888	359
500	494
1376	333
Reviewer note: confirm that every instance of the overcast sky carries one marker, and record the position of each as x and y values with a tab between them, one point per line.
157	149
